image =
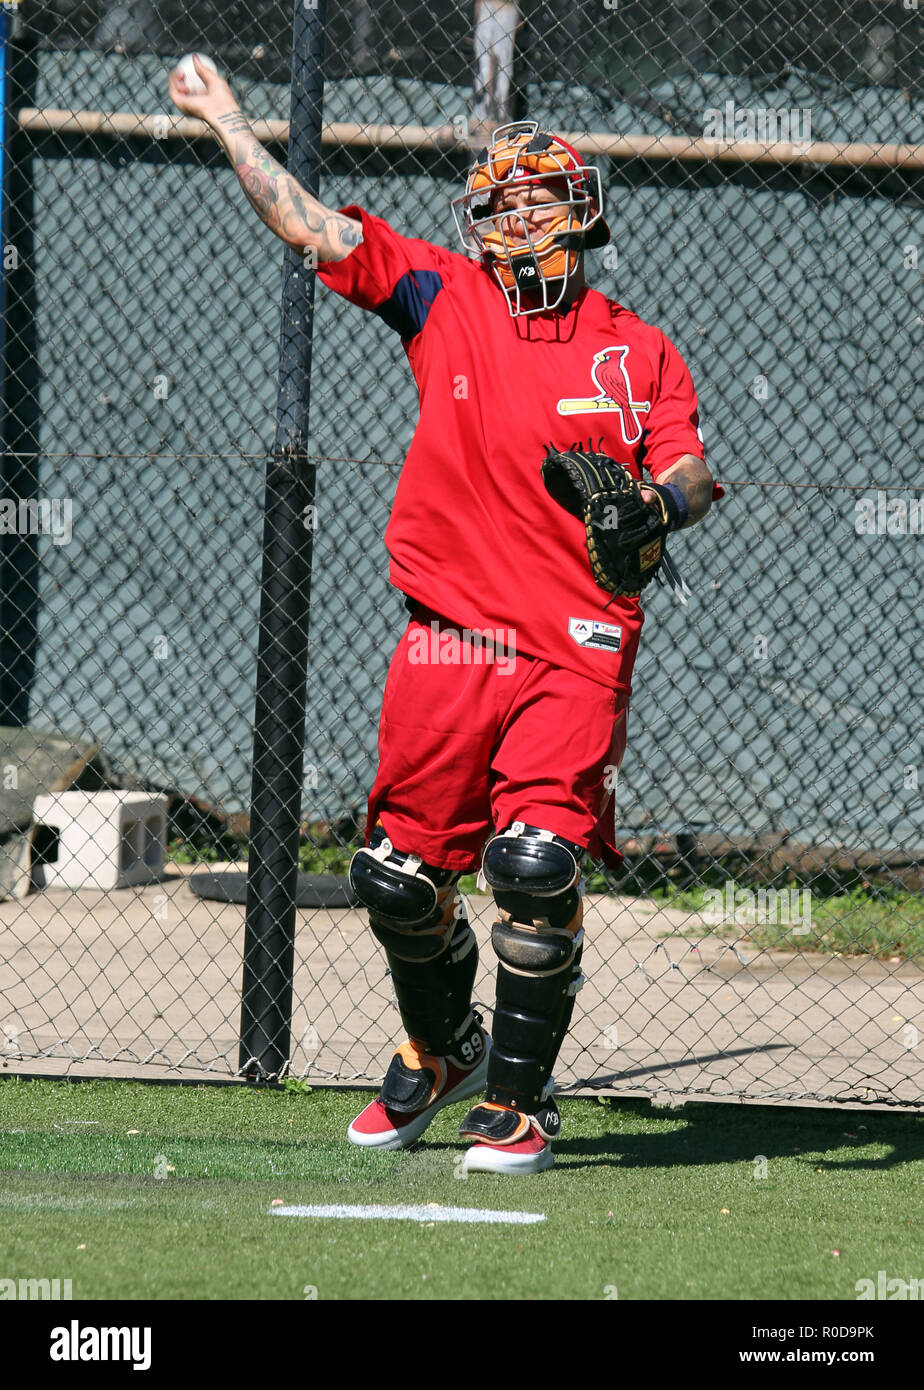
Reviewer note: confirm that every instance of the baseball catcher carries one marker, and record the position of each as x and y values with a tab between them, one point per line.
521	556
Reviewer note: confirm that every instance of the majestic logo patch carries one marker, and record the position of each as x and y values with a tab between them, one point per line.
587	632
611	379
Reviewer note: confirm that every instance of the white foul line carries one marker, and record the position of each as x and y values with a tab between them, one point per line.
421	1213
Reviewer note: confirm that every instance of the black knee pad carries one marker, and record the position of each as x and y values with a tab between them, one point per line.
534	874
526	858
398	887
409	901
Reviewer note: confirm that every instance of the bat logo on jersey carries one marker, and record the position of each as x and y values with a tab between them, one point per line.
611	379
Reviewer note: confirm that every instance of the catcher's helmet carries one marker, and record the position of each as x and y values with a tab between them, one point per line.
522	156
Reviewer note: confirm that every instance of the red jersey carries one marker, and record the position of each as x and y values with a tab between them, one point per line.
473	532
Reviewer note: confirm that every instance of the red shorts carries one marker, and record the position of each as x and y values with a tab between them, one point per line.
474	735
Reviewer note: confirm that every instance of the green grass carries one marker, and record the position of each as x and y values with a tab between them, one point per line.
312	859
327	859
850	924
855	923
182	852
656	1204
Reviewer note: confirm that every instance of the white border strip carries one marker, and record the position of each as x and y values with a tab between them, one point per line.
421	1213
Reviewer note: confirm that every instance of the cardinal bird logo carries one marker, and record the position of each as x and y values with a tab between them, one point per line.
611	379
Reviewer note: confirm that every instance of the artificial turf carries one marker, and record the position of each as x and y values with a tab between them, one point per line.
166	1192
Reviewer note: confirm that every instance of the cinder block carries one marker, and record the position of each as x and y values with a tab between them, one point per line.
99	839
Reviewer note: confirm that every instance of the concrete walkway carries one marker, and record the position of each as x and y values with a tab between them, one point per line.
139	981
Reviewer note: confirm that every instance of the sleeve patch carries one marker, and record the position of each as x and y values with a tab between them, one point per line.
407	307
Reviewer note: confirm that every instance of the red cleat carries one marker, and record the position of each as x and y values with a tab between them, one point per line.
421	1085
509	1141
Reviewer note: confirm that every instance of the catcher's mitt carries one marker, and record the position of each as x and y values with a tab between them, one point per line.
625	533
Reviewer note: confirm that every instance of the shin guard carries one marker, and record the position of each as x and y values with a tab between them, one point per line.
531	1017
417	915
435	996
538	943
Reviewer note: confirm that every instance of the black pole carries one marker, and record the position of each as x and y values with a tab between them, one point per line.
279	716
20	382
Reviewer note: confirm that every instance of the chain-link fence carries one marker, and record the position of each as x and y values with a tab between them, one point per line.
762	167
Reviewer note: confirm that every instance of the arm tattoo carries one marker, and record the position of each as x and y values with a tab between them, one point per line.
693	478
279	199
261	193
235	123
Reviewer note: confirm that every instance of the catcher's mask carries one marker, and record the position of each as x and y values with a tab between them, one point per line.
525	261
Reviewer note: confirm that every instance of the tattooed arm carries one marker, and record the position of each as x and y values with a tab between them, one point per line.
693	478
279	199
282	203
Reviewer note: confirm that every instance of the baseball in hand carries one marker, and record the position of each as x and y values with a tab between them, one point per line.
194	84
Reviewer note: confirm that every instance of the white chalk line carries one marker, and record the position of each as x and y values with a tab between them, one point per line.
419	1213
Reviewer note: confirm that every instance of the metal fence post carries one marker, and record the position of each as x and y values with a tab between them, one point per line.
279	717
